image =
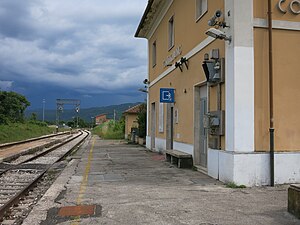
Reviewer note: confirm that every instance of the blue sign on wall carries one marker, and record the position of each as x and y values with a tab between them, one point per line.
167	95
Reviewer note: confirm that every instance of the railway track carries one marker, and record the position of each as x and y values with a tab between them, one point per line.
21	175
11	151
6	145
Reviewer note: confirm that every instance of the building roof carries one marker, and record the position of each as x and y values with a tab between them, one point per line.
133	110
148	18
104	114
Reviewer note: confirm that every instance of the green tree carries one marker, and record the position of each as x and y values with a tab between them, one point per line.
119	125
33	117
82	123
142	120
12	107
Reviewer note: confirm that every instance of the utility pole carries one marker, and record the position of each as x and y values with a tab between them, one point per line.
92	122
44	101
114	116
77	115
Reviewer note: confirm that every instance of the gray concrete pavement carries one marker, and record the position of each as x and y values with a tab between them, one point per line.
126	184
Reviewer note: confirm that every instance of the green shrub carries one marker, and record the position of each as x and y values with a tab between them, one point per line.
21	131
142	120
234	185
38	123
97	130
110	130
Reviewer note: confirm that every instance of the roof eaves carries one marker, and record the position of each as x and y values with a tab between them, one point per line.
141	25
133	110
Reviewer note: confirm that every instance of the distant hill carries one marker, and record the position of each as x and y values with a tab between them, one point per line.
85	114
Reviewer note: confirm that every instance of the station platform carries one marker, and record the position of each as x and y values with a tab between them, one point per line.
112	182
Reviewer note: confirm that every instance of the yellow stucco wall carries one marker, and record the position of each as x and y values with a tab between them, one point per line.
188	34
286	48
286	89
130	122
261	8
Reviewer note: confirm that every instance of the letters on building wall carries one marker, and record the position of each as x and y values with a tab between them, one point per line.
294	6
173	56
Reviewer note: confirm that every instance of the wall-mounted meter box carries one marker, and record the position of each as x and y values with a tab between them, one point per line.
215	123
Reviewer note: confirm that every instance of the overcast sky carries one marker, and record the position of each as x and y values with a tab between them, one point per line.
83	49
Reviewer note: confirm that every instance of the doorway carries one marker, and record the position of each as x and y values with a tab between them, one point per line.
200	133
153	125
170	126
203	133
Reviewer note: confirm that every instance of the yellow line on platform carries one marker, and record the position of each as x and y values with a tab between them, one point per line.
84	182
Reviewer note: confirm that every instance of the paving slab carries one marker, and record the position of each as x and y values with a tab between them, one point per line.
127	184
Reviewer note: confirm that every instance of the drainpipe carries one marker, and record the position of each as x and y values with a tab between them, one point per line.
271	97
219	108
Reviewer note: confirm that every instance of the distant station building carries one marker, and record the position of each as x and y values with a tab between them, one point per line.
131	116
209	88
100	119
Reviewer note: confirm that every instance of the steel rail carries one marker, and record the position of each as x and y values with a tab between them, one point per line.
16	197
39	155
51	149
5	145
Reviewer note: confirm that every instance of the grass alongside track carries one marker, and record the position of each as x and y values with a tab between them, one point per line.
22	131
110	130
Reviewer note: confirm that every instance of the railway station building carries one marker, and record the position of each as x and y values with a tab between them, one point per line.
210	92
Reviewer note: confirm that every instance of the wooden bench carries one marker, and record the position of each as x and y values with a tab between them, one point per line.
181	159
294	200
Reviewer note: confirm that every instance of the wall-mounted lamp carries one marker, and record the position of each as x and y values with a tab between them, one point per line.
179	65
143	90
184	61
218	34
146	81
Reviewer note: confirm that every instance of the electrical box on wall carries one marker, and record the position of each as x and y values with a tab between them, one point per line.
214	122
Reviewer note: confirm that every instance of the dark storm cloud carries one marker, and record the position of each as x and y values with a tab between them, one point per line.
15	19
86	46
